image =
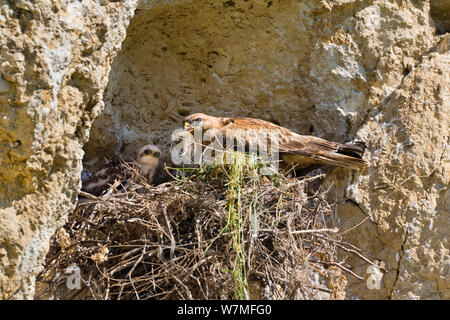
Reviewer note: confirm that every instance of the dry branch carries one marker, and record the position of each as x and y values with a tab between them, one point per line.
170	242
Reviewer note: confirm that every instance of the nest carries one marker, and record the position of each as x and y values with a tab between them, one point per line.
200	238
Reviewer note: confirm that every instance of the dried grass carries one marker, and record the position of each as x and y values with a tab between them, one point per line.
202	237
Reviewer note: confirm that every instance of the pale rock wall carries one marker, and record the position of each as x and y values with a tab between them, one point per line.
297	63
55	58
405	191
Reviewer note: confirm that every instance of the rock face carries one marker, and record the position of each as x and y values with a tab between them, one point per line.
55	58
372	70
405	192
299	64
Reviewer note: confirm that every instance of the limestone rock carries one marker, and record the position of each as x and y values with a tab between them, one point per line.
408	193
404	194
311	67
55	58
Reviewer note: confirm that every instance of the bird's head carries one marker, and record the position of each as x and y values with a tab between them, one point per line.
148	155
201	120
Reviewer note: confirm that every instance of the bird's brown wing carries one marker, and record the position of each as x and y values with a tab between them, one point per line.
261	134
296	148
101	180
312	150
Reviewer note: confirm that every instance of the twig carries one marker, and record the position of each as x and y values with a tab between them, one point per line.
355	226
315	231
339	265
89	196
169	229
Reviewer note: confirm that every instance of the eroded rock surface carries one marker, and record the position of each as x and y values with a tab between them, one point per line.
311	66
55	58
405	192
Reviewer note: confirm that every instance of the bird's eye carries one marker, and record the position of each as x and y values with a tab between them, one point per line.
198	120
147	151
156	153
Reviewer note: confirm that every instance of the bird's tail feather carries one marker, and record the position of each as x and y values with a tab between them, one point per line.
342	160
351	150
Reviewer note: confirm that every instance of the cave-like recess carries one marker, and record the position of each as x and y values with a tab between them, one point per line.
234	58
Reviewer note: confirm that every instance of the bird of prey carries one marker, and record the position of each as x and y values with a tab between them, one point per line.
118	170
295	150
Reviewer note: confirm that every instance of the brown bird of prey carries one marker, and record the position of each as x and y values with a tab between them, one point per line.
118	170
295	150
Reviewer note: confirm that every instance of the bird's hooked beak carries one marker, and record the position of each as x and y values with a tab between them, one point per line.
191	127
